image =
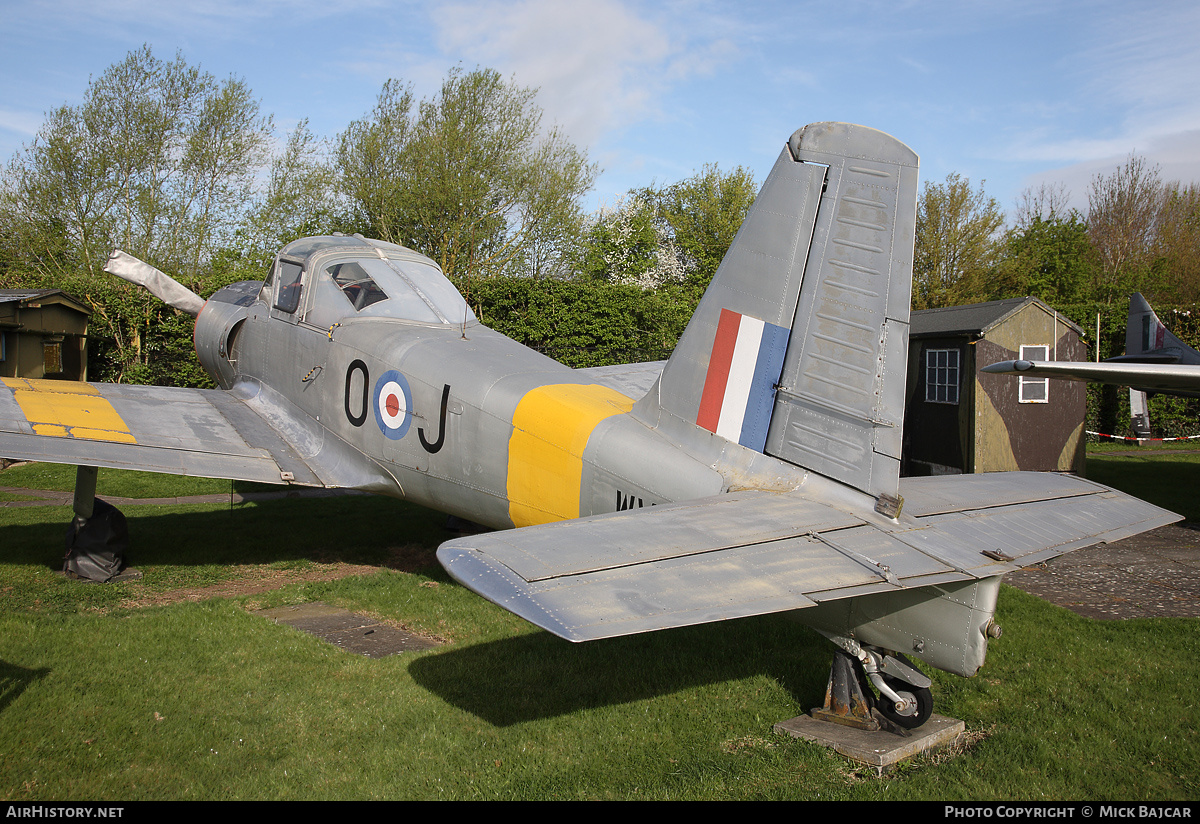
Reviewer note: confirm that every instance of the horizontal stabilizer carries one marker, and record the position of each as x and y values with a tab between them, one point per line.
633	380
754	553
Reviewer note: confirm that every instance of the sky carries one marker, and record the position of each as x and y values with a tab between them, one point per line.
1009	95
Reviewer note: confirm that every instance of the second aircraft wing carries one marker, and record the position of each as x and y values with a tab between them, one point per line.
1153	377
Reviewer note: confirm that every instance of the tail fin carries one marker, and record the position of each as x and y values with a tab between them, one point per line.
799	347
1145	335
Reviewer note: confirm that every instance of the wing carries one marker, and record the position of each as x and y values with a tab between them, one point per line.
630	379
245	433
1175	378
753	553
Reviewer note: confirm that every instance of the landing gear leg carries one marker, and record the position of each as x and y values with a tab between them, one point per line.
85	495
904	698
97	537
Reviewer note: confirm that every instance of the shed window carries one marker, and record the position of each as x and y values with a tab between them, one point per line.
941	375
1034	390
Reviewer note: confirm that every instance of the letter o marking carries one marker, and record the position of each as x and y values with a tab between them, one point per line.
365	403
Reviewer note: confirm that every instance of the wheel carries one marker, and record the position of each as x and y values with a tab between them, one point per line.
914	716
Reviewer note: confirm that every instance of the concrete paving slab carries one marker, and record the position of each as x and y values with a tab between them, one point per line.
881	749
348	630
1151	575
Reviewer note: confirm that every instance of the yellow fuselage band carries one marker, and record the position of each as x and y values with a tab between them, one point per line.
551	428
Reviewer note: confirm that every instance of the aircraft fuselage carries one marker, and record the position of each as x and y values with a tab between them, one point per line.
469	422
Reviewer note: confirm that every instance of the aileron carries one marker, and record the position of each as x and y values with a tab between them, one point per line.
199	432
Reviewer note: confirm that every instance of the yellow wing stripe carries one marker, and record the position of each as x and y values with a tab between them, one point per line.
551	428
67	409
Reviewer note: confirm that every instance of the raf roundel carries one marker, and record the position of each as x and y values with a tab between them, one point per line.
393	404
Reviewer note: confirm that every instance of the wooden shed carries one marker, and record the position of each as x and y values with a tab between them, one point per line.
959	420
43	334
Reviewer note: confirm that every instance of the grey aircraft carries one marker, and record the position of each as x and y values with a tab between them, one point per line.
1155	362
755	471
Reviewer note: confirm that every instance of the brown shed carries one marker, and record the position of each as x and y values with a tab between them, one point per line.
959	420
43	334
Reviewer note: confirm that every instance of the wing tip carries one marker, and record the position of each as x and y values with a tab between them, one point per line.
501	586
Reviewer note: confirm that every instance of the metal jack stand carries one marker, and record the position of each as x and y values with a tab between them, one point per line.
846	702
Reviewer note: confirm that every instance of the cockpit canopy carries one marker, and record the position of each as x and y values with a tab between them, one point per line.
324	280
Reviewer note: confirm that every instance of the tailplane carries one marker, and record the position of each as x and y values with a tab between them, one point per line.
798	348
1147	340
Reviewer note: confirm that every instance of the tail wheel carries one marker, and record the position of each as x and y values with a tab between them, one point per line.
920	704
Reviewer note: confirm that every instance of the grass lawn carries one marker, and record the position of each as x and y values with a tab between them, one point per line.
155	690
1164	474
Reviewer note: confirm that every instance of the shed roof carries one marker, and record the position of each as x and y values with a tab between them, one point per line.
976	318
33	295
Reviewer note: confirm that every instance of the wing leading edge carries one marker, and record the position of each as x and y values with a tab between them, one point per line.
754	553
1174	378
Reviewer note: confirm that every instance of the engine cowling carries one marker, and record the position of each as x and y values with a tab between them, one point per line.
217	328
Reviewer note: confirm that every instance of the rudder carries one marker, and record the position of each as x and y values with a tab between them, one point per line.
799	346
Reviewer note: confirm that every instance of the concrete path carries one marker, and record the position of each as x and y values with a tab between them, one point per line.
1151	575
47	497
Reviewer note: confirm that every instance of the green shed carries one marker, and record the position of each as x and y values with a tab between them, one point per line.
958	420
43	334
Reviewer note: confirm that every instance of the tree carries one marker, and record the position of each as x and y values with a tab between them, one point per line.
956	247
373	164
468	178
628	245
670	234
1049	258
1123	215
1178	243
701	216
299	199
160	160
1047	202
